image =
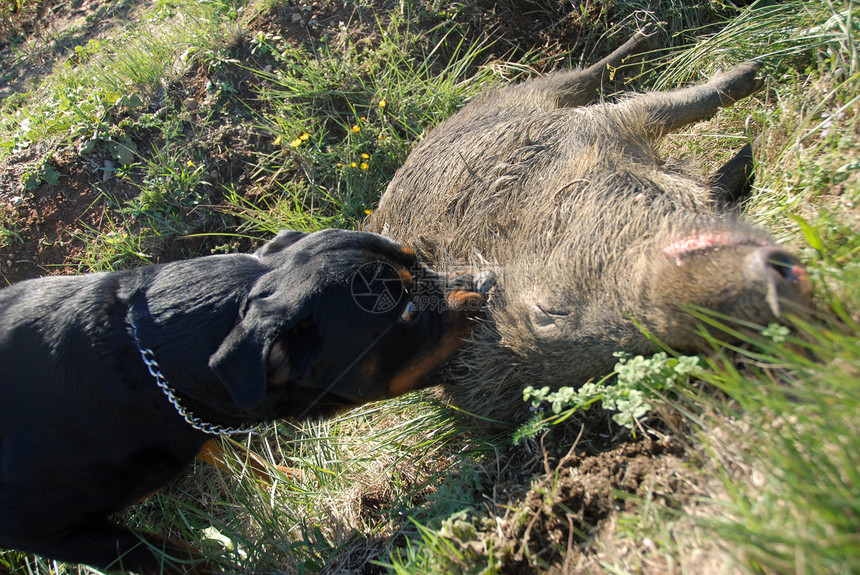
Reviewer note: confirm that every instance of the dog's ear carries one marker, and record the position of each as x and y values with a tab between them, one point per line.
240	362
283	240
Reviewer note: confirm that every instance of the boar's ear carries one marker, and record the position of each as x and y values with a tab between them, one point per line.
241	361
280	242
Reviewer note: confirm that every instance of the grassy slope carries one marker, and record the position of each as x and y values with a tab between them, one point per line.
390	482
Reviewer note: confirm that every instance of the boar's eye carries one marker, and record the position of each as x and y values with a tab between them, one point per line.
410	312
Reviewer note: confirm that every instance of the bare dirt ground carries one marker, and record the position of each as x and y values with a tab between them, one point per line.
49	220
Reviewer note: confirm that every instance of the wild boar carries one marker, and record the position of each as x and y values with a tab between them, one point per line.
596	240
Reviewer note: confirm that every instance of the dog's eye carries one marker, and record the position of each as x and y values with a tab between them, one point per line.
410	312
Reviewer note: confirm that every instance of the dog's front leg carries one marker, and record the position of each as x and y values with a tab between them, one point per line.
108	546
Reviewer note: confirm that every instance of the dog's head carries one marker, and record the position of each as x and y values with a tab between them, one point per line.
341	318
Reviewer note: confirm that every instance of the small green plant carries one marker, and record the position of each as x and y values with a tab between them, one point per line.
638	382
41	173
294	208
8	229
172	186
114	248
86	52
68	112
266	43
455	548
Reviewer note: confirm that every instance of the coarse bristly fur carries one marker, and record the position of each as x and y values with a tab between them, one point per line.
594	238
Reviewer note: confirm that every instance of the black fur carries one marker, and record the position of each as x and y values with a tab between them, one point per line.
84	429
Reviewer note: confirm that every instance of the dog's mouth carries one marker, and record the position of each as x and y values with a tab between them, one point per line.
310	402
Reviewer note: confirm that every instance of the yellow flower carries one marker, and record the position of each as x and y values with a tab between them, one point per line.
368	212
353	165
365	156
356	128
364	166
382	103
189	164
298	141
277	141
339	165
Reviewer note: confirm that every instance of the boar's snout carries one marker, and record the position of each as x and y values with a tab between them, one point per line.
783	274
726	272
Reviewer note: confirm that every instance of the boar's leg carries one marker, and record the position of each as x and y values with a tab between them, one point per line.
731	183
580	87
665	112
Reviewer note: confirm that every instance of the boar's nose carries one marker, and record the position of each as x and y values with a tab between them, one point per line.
784	276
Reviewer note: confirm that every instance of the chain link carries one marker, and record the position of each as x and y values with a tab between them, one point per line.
155	370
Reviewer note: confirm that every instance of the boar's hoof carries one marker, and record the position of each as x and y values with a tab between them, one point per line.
738	83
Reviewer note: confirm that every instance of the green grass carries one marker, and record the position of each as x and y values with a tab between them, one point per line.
8	228
100	100
798	507
335	123
85	95
785	433
362	470
343	122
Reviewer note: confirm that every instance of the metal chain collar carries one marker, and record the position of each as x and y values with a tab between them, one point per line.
155	370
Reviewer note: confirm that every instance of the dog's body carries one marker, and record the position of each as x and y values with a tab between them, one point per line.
86	430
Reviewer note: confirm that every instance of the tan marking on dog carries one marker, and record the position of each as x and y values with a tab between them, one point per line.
408	379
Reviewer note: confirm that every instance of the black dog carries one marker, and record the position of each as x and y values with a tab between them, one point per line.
111	383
